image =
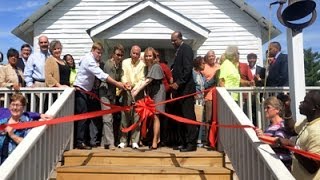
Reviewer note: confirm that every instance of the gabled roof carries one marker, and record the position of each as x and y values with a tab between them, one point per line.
262	21
25	29
179	18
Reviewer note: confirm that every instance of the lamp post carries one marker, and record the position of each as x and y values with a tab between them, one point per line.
296	10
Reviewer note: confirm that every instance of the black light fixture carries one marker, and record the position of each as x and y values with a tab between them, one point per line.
296	11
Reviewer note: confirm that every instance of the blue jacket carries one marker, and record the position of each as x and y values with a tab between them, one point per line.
278	75
7	142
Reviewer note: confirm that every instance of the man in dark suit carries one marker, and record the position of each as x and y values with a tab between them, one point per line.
278	67
25	53
257	71
183	84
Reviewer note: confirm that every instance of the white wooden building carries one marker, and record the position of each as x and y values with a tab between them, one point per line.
205	25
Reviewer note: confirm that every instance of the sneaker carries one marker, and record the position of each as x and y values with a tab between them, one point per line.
112	147
200	145
135	146
121	145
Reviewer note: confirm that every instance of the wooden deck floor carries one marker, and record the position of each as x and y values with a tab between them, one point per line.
143	163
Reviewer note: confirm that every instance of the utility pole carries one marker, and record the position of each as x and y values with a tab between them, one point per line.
296	71
296	10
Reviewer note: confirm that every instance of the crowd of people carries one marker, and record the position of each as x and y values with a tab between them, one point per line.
128	80
306	133
124	81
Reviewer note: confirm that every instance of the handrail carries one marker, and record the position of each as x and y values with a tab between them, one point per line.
36	156
251	100
39	99
250	158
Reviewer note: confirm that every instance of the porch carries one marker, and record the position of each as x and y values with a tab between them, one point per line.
45	145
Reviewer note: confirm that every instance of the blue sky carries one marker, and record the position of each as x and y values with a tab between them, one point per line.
14	12
311	35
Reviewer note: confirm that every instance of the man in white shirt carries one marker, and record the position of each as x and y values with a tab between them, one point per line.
88	70
258	72
34	70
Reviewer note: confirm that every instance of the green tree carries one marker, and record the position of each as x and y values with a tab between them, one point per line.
312	67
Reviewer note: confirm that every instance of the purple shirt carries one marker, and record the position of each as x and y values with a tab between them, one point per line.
5	113
278	130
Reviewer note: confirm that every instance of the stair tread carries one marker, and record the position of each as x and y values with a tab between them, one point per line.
143	152
143	170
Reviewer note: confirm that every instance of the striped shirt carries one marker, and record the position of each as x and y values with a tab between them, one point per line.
278	130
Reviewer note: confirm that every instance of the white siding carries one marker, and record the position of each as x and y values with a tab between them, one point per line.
227	23
70	19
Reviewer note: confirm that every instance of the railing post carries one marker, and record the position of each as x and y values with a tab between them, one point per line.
43	146
250	158
214	129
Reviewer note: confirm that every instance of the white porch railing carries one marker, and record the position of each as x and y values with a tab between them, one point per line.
255	97
250	158
36	156
39	99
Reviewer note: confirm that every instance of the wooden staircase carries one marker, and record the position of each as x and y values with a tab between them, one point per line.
163	163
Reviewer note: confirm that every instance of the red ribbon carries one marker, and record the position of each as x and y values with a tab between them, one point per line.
95	96
64	119
293	149
213	138
146	109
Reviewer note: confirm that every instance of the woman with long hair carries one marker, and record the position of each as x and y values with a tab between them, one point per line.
73	71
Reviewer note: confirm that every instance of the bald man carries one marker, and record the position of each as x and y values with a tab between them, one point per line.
183	84
133	74
34	70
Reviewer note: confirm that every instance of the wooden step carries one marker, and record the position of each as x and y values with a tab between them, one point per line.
142	172
228	165
143	157
53	174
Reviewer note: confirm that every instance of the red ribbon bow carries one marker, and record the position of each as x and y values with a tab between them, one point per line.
146	108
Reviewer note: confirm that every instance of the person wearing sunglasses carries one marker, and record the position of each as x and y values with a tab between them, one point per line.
307	139
273	109
107	93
